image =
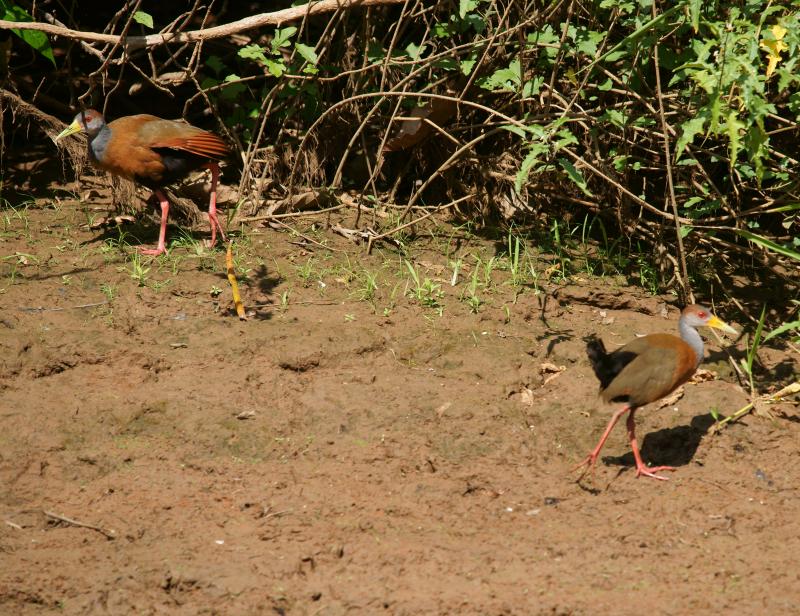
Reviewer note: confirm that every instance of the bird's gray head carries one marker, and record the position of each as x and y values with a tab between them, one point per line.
697	316
90	122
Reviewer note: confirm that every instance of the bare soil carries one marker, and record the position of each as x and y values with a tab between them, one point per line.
335	455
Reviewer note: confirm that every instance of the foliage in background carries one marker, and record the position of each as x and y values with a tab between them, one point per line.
537	112
11	11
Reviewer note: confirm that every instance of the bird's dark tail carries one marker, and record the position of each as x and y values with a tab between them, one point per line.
601	362
596	351
606	365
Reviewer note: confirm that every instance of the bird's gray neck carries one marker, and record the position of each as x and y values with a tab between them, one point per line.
692	338
98	145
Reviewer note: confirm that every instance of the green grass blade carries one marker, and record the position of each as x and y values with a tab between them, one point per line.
769	244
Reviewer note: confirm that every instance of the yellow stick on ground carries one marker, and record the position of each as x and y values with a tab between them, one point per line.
237	299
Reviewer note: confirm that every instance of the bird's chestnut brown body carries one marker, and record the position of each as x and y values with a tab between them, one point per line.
644	370
153	152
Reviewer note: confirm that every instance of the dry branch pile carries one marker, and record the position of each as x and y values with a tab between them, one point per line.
489	111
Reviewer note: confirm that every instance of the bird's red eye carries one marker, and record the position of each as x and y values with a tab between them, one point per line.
702	314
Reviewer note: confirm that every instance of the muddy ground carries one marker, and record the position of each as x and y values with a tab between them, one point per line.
348	451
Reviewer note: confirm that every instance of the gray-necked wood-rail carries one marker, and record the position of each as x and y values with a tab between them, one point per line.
152	152
646	370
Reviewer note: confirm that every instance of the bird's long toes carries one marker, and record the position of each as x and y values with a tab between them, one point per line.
151	251
587	464
651	472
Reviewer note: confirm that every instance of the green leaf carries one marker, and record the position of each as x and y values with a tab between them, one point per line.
782	329
375	52
146	19
448	64
467	66
504	78
787	208
614	56
525	169
276	68
477	22
575	175
533	87
215	64
587	41
756	342
565	138
38	40
466	6
689	130
756	144
232	92
640	33
253	52
734	128
624	8
282	38
695	7
441	30
307	53
614	116
415	51
517	130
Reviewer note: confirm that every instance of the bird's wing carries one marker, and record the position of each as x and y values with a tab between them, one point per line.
160	133
662	363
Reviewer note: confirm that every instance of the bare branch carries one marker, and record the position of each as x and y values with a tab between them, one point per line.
248	23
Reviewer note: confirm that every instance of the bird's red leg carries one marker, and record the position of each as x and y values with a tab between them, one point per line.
162	233
592	457
641	468
212	204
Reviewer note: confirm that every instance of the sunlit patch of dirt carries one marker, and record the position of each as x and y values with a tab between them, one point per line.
336	455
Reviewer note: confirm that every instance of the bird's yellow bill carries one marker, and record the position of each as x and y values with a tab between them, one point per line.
73	128
718	323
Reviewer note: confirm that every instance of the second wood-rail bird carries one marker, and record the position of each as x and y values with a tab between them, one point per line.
645	370
154	153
